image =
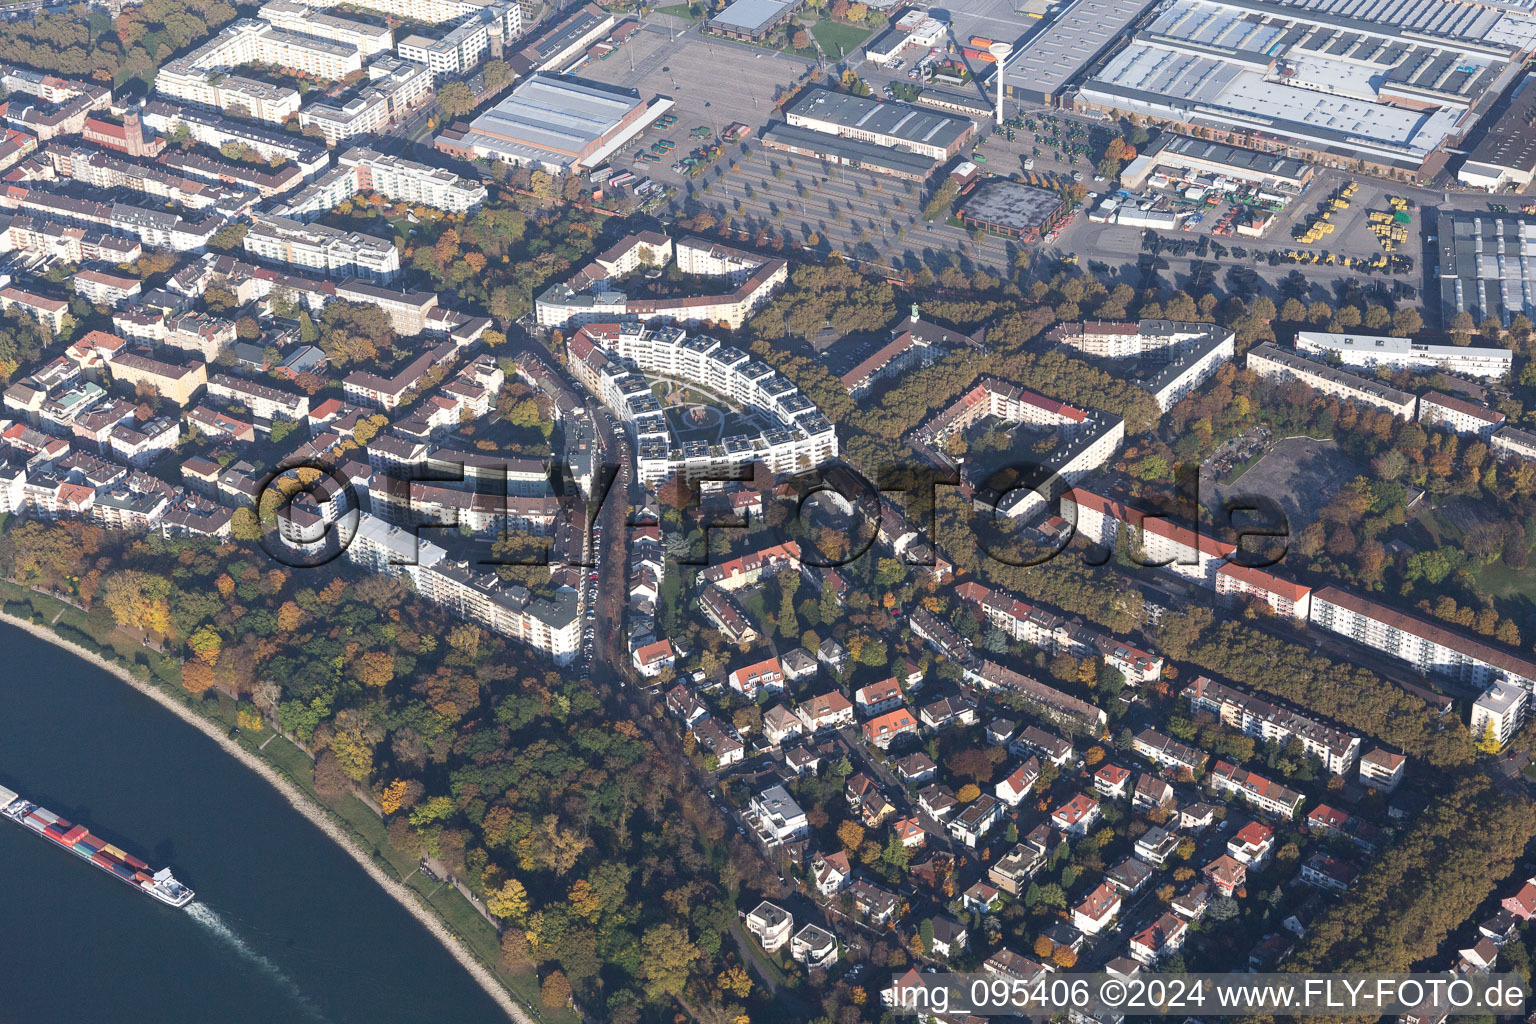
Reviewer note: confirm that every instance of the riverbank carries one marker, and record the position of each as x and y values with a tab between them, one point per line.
301	803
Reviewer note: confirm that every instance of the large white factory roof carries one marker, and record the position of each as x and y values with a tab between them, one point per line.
551	118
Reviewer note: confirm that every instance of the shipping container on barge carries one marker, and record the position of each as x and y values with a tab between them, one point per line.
125	867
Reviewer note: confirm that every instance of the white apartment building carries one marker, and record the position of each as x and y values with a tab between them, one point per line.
380	547
549	625
1510	442
1271	362
106	289
1196	352
800	437
395	88
771	925
333	252
44	309
435	12
711	259
325	51
1374	352
1158	540
1499	713
1281	596
588	297
1441	410
212	129
776	817
233	94
251	41
461	50
409	312
1432	648
291	16
408	181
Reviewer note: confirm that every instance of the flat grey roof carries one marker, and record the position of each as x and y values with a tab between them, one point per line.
750	15
1250	160
866	154
1012	205
553	115
1046	61
1510	142
898	120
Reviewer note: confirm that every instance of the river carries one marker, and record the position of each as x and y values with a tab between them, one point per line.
286	928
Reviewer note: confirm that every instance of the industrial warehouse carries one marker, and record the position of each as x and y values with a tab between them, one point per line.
1386	87
554	122
1486	265
1017	211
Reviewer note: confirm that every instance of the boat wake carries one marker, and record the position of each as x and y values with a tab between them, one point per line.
210	919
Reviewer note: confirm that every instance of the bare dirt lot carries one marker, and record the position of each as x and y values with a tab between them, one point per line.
1299	473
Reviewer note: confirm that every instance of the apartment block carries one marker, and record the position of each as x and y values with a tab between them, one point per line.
1254	716
1431	648
333	252
1458	414
1275	363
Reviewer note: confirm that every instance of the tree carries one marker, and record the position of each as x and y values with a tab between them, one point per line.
555	992
667	956
196	677
736	981
509	901
851	835
207	644
138	599
331	781
455	99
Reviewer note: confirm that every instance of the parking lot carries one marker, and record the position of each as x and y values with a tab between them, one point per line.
670	57
866	216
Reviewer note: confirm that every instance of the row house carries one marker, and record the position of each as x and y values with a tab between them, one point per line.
883	730
826	711
750	680
1049	702
739	573
1263	794
878	698
1018	783
1166	752
263	401
1098	909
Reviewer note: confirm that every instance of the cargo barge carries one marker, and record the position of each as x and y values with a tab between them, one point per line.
125	867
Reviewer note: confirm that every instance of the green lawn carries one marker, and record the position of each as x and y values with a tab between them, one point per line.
834	34
678	11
